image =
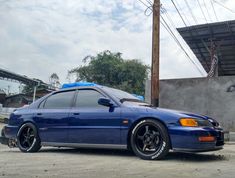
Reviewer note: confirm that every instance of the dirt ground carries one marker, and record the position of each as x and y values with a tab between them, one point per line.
82	163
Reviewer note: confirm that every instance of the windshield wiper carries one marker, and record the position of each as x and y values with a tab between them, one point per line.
147	105
131	100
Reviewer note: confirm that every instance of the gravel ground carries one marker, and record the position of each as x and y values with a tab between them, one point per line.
82	163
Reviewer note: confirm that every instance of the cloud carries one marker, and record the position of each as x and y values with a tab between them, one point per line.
39	38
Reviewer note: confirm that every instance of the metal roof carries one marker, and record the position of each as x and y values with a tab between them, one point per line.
5	74
201	38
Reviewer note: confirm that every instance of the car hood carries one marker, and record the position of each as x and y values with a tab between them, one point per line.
182	113
168	112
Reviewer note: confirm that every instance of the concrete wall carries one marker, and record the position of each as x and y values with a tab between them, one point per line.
214	97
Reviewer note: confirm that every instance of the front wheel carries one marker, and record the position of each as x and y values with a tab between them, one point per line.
150	140
28	139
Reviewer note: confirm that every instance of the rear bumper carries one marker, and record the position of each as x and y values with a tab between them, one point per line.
10	131
187	139
4	140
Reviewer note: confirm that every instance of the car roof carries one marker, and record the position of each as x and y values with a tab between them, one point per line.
79	87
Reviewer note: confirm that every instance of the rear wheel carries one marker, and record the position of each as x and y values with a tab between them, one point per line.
150	140
28	139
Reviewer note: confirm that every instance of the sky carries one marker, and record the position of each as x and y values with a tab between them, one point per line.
40	37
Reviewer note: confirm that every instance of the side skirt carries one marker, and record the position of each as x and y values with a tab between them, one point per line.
84	145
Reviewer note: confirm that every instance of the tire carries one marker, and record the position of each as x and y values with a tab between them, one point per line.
150	140
28	140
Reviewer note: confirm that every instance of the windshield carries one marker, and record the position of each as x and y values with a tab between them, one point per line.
122	95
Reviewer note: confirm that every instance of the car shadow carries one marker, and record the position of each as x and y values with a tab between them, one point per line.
190	157
84	151
196	157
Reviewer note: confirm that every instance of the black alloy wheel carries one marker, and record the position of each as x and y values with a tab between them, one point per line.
150	140
28	139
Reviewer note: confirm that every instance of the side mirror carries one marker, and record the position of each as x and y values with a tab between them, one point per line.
105	102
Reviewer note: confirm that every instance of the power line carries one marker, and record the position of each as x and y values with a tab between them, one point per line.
143	3
223	6
150	3
167	27
212	4
207	10
175	5
148	7
182	12
168	17
191	11
178	12
202	10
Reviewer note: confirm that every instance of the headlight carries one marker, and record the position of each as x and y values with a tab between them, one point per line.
192	122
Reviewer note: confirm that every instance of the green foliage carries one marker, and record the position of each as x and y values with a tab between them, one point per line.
110	69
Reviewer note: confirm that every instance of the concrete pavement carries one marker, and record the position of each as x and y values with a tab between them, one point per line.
86	163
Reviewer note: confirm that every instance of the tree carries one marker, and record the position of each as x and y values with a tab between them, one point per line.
112	70
54	80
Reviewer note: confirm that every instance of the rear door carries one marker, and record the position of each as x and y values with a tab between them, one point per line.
91	123
52	117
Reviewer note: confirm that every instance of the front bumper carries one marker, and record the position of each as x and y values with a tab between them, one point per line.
186	139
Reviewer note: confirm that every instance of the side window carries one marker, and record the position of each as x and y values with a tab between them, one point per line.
88	99
59	100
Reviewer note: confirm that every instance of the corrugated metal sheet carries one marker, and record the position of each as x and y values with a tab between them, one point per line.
200	39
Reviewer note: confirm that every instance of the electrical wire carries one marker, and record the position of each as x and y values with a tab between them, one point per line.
219	3
202	10
168	17
207	10
148	7
167	27
212	4
182	12
143	3
150	2
178	12
191	11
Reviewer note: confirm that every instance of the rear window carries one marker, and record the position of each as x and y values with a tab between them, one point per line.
60	100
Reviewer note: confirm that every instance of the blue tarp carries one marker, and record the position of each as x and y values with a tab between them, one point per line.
78	84
139	96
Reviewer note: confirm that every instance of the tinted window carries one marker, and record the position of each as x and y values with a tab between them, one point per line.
119	93
88	98
59	100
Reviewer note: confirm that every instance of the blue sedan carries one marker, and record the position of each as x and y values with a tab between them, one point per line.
102	117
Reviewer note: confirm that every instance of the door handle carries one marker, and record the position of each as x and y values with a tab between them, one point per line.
39	114
76	113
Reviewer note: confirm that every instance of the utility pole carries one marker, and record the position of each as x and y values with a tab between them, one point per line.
155	54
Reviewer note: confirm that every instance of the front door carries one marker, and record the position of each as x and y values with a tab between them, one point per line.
91	123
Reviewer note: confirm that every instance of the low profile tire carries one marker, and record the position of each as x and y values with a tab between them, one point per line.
28	139
150	140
